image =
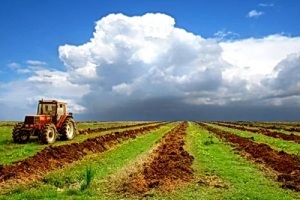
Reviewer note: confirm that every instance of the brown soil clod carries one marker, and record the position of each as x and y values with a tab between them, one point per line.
168	165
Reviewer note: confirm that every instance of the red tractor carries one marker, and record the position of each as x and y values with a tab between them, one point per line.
50	122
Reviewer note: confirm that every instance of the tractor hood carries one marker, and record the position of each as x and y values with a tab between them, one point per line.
36	119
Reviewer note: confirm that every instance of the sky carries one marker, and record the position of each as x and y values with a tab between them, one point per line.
152	60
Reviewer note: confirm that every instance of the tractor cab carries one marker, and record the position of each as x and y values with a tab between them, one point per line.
53	108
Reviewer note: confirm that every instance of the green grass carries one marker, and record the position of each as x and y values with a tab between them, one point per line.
275	143
240	178
66	183
11	152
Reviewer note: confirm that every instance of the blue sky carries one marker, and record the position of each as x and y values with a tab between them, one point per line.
32	32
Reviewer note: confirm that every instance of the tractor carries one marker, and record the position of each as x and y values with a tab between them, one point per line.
50	122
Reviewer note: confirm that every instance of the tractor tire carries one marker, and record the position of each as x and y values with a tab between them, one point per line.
18	135
48	134
68	129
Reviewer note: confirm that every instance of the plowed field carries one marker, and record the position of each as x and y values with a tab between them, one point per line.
156	160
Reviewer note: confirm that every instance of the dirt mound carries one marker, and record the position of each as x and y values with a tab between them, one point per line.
287	165
290	137
169	165
54	157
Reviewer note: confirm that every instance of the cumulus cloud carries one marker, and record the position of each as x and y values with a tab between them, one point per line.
144	57
144	67
254	14
130	60
285	81
259	55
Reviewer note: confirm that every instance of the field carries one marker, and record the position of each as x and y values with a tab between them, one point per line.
156	160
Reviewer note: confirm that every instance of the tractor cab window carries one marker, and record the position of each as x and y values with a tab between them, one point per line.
46	109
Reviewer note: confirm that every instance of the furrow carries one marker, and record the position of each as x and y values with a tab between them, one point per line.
169	165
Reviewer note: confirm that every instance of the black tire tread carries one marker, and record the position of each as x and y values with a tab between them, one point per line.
43	133
16	133
64	128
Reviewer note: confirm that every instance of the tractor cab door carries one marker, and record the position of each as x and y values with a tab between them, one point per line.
61	110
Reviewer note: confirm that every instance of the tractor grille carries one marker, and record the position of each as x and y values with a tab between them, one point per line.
32	120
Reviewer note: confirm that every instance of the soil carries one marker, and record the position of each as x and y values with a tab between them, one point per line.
289	137
54	157
286	165
169	165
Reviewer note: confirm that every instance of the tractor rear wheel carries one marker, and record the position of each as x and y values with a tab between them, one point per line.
18	135
48	134
68	129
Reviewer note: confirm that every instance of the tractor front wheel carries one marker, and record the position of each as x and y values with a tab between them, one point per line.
48	134
18	135
68	129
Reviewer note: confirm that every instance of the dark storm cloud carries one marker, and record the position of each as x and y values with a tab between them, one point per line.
169	108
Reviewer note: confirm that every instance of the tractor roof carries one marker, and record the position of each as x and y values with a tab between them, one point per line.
51	101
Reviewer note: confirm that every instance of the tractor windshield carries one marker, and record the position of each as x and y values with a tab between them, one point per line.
46	109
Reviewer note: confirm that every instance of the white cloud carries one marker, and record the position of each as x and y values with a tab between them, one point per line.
46	84
254	14
24	71
144	56
14	65
259	55
266	4
36	63
226	35
28	67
